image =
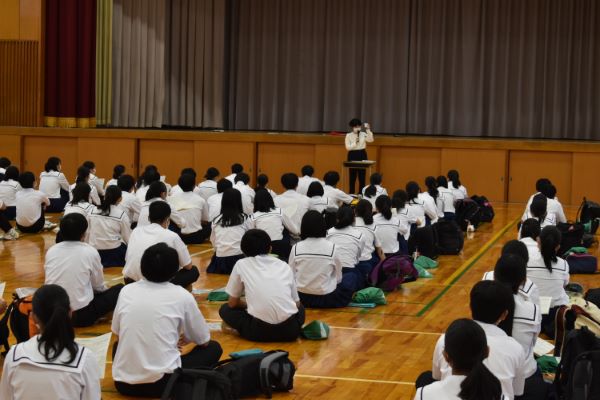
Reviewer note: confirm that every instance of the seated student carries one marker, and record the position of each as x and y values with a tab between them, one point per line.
10	233
275	222
294	204
241	183
407	216
390	229
94	182
129	202
9	187
143	237
306	179
177	189
539	185
79	204
425	212
235	169
227	232
334	194
118	171
372	252
51	365
83	176
146	352
261	183
454	184
110	229
539	210
4	164
553	205
433	198
157	191
491	302
272	311
317	267
374	190
465	350
31	204
149	176
214	201
54	185
76	267
193	210
446	205
318	201
208	187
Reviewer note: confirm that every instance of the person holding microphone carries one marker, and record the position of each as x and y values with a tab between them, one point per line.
356	144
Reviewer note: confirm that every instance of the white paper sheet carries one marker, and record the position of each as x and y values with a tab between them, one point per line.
99	346
2	287
542	347
545	304
162	178
214	326
102	180
24	291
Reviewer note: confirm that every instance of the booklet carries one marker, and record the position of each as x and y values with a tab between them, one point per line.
99	346
545	304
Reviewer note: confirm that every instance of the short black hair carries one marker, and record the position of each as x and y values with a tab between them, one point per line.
262	180
52	164
313	225
289	181
516	247
224	184
187	182
530	228
73	227
89	164
256	242
156	189
4	162
237	168
489	299
151	176
126	183
211	173
12	172
242	177
159	263
354	122
540	183
315	189
190	171
307	170
158	212
27	179
118	170
331	178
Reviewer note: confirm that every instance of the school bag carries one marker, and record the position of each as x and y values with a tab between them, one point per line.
21	320
589	214
593	295
450	238
424	241
4	331
392	272
571	236
581	263
467	212
487	213
578	314
189	384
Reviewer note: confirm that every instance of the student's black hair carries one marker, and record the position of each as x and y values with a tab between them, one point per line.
158	212
232	211
442	181
374	180
81	192
412	190
126	183
454	178
489	300
539	207
466	347
4	162
432	187
331	178
539	184
307	170
89	165
52	164
511	270
155	190
51	306
223	184
364	210
289	181
399	199
517	248
255	242
187	182
549	241
354	122
159	263
149	175
12	172
263	201
237	168
315	189
211	173
26	180
189	171
384	206
242	177
313	225
83	173
73	227
118	170
530	228
262	181
111	198
344	217
549	191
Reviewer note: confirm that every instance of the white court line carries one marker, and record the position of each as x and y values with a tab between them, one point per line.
202	252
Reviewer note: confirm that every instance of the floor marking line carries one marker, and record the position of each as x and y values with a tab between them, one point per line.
339	378
202	252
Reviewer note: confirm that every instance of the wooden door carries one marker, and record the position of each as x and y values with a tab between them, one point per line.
585	181
222	155
37	150
108	152
170	156
400	165
11	148
276	159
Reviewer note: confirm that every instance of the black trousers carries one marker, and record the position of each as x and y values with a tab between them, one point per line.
259	331
35	228
57	205
4	224
102	304
536	388
357	155
199	357
197	237
183	277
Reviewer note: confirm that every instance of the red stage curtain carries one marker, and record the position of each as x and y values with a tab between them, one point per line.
70	63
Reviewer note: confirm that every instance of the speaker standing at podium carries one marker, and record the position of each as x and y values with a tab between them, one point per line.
356	144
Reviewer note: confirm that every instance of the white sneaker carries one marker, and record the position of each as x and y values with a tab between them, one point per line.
49	226
11	235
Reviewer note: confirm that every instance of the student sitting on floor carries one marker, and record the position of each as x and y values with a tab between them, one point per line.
175	190
94	182
51	365
262	181
76	267
553	205
193	210
208	187
9	186
374	190
407	216
149	176
292	203
9	232
318	269
31	205
118	171
372	252
272	311
4	164
465	350
214	201
129	201
426	213
54	185
454	184
152	318
538	210
390	229
110	229
79	204
306	178
158	192
227	232
235	169
143	237
318	201
337	196
446	205
241	183
83	176
433	197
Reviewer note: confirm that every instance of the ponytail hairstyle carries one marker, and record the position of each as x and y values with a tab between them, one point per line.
315	189
539	207
412	190
432	186
549	242
50	306
540	183
465	349
232	211
364	210
81	192
511	270
83	174
384	206
148	176
489	301
549	191
375	180
118	170
454	178
11	172
516	247
263	201
399	199
111	198
155	190
261	181
344	217
442	181
223	184
52	164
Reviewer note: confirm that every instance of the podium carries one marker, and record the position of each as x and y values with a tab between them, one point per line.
366	165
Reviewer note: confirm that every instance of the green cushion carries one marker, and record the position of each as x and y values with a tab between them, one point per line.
426	262
547	364
370	295
316	330
218	295
423	273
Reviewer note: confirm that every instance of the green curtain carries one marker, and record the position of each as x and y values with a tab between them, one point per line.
104	62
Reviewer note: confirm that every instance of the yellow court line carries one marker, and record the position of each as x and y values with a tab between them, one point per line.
339	378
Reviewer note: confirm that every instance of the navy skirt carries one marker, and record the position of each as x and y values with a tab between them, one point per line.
340	297
222	265
58	205
113	257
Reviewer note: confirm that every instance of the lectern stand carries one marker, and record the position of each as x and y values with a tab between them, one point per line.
366	165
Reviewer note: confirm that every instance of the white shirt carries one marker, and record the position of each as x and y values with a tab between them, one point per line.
387	231
447	389
549	284
549	220
337	196
192	208
94	198
227	239
143	237
407	217
8	192
371	239
431	207
416	208
107	232
316	266
303	184
214	206
77	268
247	197
506	361
144	218
149	318
231	178
96	182
29	206
447	200
175	190
350	243
28	375
358	141
207	189
527	324
294	205
379	191
112	182
552	206
273	223
52	182
528	291
84	208
140	193
460	193
269	286
321	204
131	205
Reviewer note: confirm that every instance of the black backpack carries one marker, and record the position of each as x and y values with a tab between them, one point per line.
578	374
589	211
571	236
450	238
191	384
4	331
487	213
467	211
424	240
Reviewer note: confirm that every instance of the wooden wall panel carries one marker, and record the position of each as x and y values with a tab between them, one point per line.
9	19
170	156
526	167
37	150
30	23
10	146
222	155
329	158
106	153
400	165
585	182
19	82
275	159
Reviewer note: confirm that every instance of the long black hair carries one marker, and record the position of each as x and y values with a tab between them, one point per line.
344	217
399	199
364	210
466	347
511	270
148	176
81	192
412	190
384	206
111	198
263	201
155	190
83	173
539	207
432	187
454	178
442	181
489	301
550	238
232	211
375	180
52	164
51	307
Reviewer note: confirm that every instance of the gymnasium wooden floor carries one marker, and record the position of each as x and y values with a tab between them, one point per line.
371	353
